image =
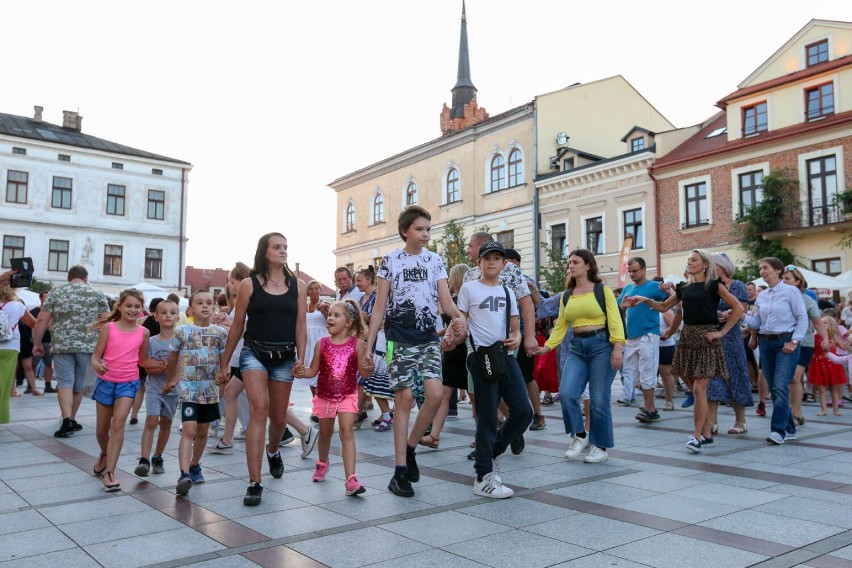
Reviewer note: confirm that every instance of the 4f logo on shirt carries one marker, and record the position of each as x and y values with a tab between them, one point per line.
415	274
493	303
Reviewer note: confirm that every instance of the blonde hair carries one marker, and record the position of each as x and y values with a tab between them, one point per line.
353	313
710	270
456	277
7	294
832	328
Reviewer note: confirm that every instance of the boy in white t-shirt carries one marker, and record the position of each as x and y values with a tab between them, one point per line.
487	304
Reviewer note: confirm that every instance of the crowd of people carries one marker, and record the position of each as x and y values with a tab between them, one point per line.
413	334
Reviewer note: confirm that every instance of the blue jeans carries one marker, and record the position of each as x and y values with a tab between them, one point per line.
489	441
588	362
778	368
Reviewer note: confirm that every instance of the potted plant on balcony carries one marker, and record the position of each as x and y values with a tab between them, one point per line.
844	199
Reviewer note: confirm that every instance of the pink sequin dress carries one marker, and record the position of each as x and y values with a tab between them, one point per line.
337	376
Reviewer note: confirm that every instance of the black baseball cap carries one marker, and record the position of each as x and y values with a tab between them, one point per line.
513	254
491	246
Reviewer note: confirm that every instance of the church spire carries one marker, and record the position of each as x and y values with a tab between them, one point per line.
464	111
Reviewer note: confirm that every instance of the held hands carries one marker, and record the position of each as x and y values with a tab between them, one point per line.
365	363
299	370
38	350
170	386
723	316
99	366
222	376
542	350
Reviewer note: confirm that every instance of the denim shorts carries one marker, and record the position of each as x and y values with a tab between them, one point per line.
107	392
281	373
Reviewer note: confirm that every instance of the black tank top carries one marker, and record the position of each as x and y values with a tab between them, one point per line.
272	317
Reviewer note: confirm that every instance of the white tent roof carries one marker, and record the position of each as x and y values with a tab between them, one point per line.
816	280
31	299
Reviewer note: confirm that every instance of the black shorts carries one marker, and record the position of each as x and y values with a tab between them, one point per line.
667	354
805	356
200	413
748	351
527	365
235	372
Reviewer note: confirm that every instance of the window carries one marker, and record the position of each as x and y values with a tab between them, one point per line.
594	235
506	238
633	227
516	168
568	164
61	197
115	199
156	204
153	263
16	186
21	151
411	194
57	257
350	217
829	266
63	157
819	101
452	185
696	205
558	239
117	166
817	52
822	190
498	173
751	190
378	209
754	119
112	260
637	144
156	172
13	247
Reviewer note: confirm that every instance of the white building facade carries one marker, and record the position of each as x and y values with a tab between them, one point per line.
70	198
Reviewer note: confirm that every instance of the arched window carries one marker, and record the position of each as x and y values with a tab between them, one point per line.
452	185
498	173
411	194
350	218
516	168
378	209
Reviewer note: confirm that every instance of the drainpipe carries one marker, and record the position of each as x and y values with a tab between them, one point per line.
182	213
656	218
536	252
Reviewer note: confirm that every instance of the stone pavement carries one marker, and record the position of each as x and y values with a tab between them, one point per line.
739	503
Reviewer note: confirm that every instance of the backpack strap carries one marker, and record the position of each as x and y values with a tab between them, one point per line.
508	309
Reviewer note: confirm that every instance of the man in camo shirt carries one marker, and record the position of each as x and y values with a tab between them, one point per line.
69	311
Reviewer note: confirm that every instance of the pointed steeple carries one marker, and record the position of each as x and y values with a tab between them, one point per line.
464	111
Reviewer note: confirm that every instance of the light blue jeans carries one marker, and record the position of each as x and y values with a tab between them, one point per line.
588	362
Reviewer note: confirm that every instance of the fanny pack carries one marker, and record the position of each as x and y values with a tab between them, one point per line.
271	354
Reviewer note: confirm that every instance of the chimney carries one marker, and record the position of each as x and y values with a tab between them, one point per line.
71	120
298	272
37	115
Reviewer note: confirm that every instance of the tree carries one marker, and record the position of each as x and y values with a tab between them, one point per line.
452	245
779	197
554	272
38	286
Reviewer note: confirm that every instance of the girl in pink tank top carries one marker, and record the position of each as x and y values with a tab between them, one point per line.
122	345
336	360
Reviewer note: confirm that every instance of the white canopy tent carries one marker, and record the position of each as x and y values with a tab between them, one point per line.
816	280
30	298
151	291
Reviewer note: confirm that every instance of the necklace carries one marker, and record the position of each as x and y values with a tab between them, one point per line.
274	283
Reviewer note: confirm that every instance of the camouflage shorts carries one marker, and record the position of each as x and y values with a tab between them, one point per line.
412	364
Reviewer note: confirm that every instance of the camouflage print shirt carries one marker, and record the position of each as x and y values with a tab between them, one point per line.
74	306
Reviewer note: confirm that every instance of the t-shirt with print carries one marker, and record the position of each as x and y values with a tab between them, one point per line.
158	349
511	277
412	309
642	319
74	306
486	308
199	350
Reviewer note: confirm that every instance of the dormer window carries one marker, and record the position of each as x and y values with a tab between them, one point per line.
817	52
754	119
637	144
568	164
819	101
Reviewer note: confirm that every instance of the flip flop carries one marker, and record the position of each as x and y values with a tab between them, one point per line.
736	429
110	484
430	442
99	472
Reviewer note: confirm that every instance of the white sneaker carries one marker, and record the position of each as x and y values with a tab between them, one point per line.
596	455
496	468
220	448
491	486
309	440
775	438
577	446
241	435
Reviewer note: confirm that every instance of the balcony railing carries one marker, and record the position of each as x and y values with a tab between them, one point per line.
813	213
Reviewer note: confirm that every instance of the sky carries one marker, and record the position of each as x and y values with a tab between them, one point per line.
271	101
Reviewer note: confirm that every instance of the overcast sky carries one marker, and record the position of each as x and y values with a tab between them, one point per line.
270	101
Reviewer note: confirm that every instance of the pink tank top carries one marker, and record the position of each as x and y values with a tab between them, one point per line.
121	354
337	377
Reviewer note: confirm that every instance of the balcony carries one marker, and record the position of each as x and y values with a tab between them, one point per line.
816	215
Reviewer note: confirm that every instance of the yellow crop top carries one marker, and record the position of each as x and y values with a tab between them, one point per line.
583	310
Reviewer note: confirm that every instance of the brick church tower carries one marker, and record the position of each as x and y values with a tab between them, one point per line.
464	112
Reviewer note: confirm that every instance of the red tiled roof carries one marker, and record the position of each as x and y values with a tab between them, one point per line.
698	146
203	278
790	78
324	290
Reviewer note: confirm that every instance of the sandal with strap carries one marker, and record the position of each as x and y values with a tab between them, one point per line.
737	428
548	399
430	441
99	472
110	484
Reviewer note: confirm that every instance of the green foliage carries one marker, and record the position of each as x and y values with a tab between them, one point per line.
779	197
452	246
554	271
38	286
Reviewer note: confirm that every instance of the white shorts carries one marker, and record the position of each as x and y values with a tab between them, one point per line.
642	357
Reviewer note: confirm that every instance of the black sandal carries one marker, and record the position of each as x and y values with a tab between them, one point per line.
808	397
99	472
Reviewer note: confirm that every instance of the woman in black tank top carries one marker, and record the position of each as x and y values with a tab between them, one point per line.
274	301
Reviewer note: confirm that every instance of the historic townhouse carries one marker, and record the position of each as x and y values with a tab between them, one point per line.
72	198
793	113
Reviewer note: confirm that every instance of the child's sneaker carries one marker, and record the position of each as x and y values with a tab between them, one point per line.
491	486
195	474
309	440
253	494
184	484
320	469
353	486
157	464
221	447
143	468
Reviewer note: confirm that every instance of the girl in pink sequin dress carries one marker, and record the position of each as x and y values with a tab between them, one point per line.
336	360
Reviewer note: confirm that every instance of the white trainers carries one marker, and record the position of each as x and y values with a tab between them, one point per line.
309	440
491	486
240	435
596	455
775	439
577	446
220	448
